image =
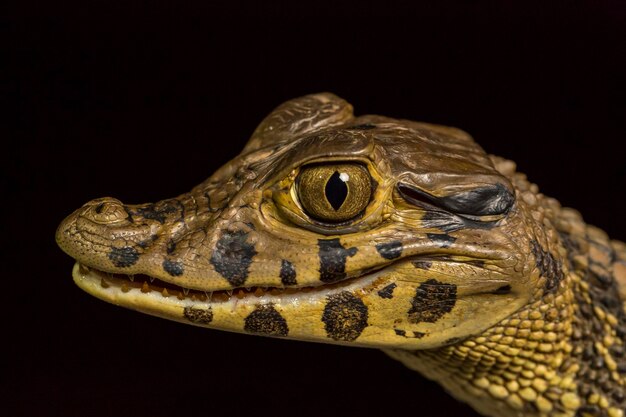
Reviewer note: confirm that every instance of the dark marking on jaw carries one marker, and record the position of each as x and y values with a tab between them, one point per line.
548	267
364	126
422	264
387	292
124	257
174	268
333	258
287	273
433	299
444	240
505	289
267	321
390	250
345	316
409	335
232	257
198	315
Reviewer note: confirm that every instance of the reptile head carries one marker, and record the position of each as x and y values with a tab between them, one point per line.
364	230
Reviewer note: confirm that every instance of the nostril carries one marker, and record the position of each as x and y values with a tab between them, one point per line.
106	211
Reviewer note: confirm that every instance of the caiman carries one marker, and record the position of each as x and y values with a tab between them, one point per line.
383	233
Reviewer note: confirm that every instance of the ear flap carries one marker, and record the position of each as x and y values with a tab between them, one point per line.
300	116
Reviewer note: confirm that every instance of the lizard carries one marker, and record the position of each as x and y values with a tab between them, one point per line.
384	233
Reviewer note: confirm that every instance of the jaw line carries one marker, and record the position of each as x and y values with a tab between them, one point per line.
110	288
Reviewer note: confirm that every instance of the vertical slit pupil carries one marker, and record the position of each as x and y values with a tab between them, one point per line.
336	191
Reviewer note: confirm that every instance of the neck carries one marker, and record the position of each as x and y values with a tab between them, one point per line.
564	354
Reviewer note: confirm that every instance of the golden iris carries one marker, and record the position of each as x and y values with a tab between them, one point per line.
335	192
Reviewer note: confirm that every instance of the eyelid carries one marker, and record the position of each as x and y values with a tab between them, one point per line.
488	203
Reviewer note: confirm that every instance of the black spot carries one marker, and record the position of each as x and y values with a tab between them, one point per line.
99	208
422	264
409	335
232	257
443	239
505	289
267	321
452	341
333	259
390	250
432	300
548	266
198	315
345	316
364	126
287	273
174	268
124	257
387	292
160	210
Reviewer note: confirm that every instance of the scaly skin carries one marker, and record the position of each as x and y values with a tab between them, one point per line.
456	265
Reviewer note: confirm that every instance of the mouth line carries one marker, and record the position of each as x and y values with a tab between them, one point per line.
148	284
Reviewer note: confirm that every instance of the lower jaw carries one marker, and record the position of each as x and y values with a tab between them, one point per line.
106	286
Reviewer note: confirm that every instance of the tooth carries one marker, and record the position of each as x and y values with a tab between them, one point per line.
125	287
151	279
230	293
240	294
274	291
145	287
185	290
103	283
165	293
180	296
208	294
259	292
249	289
131	277
83	269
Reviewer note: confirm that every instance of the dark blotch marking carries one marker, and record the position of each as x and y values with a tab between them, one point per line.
160	210
387	292
409	335
333	259
452	341
364	126
198	315
174	268
422	264
99	208
124	257
505	289
232	257
287	273
267	321
432	300
444	240
548	266
390	250
345	316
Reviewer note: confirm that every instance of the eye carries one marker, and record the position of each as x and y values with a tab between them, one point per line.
334	193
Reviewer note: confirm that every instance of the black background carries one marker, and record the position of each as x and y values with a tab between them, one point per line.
142	100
